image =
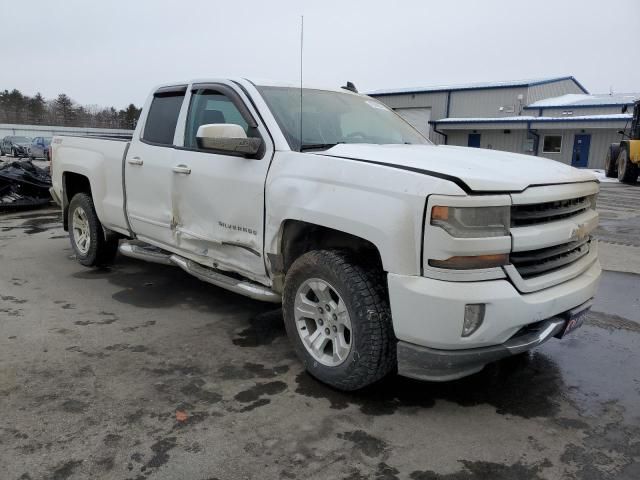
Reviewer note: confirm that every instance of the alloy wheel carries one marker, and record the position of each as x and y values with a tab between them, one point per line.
81	231
323	322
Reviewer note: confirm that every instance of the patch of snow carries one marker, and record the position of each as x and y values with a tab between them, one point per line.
527	118
599	174
580	99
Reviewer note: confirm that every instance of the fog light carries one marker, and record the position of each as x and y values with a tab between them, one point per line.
473	318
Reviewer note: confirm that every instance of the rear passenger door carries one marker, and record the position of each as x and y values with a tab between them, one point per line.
147	169
218	198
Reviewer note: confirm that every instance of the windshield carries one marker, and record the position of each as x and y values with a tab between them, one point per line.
21	139
329	118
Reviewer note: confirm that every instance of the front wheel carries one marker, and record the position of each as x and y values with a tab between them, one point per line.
337	316
88	239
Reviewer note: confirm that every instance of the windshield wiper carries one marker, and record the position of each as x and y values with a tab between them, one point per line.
317	146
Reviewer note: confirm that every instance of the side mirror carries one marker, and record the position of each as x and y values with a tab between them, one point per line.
227	138
621	132
624	109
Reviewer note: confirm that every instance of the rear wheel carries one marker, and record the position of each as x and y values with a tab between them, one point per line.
337	316
611	161
627	170
88	239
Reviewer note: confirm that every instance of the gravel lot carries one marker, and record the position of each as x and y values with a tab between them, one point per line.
141	371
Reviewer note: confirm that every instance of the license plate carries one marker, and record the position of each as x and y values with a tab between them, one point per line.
575	319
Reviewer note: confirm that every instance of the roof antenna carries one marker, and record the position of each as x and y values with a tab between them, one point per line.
301	50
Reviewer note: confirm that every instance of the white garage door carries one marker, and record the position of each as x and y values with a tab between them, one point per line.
418	118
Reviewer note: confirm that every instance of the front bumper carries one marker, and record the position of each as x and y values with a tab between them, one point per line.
428	316
442	365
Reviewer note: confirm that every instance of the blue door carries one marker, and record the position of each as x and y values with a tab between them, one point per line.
474	140
581	145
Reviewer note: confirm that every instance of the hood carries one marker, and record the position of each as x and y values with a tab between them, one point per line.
477	169
21	144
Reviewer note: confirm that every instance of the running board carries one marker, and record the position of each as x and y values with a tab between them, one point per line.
243	287
145	252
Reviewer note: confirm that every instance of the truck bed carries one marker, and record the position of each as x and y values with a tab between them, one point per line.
99	160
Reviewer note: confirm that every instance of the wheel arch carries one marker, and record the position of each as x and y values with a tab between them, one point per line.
297	237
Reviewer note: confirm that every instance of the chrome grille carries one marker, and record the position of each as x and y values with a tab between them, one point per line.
531	214
537	262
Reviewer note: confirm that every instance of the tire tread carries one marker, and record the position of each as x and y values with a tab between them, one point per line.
368	296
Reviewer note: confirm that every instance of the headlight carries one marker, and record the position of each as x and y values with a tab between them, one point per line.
472	222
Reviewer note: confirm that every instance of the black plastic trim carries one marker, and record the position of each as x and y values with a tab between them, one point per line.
171	89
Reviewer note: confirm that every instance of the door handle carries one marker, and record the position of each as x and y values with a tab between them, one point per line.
182	169
135	161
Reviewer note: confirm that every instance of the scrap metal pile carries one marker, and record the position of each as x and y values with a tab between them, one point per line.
23	185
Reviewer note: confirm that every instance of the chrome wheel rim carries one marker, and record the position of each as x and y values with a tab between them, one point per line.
81	232
323	322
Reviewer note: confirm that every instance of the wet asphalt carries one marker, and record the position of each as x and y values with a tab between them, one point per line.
139	371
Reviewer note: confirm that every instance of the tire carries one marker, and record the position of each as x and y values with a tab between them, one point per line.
46	156
354	289
95	248
627	170
611	161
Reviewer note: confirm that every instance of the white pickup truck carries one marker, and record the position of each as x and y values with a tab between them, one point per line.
387	252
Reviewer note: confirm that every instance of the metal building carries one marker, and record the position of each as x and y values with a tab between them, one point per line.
551	117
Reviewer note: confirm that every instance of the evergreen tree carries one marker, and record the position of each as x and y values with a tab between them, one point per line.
62	111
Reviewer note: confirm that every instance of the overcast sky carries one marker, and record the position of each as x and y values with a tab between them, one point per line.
112	52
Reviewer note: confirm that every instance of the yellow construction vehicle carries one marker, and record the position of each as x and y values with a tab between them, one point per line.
623	159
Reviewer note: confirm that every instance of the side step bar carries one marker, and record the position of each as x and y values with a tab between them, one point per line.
248	289
209	275
145	252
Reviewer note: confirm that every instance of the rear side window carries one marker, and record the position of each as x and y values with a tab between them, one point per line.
163	117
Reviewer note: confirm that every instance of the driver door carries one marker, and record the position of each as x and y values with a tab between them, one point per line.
218	198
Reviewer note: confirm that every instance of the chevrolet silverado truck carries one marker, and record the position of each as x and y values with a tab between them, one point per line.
387	252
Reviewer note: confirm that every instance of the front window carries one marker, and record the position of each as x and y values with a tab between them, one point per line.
21	140
329	118
209	106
